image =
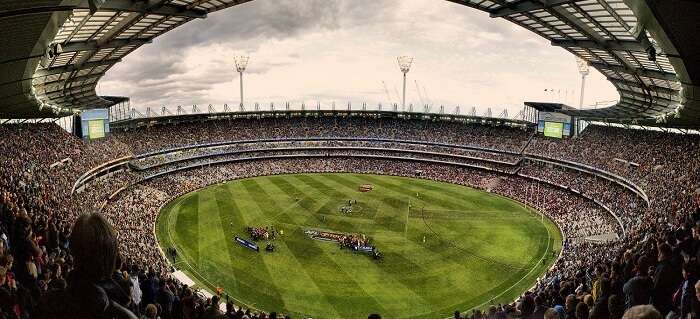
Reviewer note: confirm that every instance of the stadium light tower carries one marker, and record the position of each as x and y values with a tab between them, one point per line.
405	66
241	64
584	70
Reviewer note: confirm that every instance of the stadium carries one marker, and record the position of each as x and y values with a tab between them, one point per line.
109	210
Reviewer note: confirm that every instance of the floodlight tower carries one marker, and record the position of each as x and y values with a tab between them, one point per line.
584	70
241	64
405	66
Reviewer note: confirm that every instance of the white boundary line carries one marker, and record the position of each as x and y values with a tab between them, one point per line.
370	173
189	266
549	236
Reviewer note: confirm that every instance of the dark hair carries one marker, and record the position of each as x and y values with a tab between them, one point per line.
643	265
616	307
582	310
605	286
690	269
374	316
665	250
94	247
527	305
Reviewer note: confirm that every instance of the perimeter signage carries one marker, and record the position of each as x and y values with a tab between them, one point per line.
247	244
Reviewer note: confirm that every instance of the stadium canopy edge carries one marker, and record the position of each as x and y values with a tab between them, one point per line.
58	50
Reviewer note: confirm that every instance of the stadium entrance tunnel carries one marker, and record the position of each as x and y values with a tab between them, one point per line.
441	246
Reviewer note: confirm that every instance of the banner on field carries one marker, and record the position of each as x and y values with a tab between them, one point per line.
365	249
247	244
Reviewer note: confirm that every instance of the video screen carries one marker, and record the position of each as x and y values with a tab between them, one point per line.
553	129
96	129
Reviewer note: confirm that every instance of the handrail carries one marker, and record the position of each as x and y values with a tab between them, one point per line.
573	165
312	139
593	170
605	207
99	168
256	150
245	159
227	161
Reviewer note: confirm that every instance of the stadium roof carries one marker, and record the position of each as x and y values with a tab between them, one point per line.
55	51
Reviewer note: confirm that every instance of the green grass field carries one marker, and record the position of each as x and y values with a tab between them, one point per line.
479	248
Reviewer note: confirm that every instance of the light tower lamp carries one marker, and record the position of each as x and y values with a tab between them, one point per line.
405	66
584	70
241	64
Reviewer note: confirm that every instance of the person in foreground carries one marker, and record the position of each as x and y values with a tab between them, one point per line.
91	291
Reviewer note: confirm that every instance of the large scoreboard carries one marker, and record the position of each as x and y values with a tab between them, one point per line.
92	124
553	124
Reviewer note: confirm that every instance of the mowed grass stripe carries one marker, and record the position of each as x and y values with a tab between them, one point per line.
477	244
256	192
477	199
258	280
519	231
290	190
305	297
298	289
314	208
187	227
374	281
229	215
309	278
393	204
209	223
383	221
267	204
335	223
419	296
402	188
291	196
338	287
419	278
444	250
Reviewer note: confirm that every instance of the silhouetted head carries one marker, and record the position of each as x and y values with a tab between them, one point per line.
94	248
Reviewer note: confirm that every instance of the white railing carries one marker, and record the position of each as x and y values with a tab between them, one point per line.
151	112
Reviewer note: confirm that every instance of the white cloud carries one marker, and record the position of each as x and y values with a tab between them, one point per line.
341	53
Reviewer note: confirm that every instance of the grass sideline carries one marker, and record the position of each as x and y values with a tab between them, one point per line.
479	248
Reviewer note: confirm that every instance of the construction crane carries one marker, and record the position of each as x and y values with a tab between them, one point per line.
427	98
420	95
388	96
398	96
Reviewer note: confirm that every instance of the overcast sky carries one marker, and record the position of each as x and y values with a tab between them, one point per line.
342	50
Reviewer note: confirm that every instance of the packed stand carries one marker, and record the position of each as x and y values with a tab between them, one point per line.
162	137
42	261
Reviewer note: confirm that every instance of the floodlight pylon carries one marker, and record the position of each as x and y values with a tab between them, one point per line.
405	66
241	64
583	69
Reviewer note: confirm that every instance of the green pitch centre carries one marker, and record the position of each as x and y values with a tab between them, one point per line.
445	247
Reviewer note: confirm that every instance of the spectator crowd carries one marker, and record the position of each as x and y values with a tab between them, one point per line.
620	252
